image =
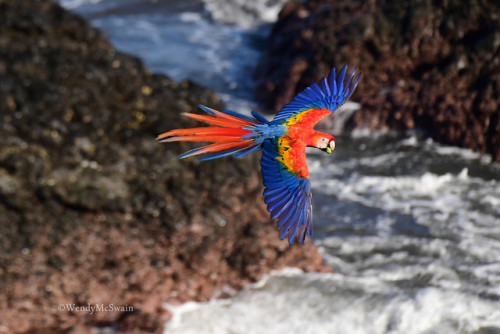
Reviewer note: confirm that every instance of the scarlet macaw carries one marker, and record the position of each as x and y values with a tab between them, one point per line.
283	143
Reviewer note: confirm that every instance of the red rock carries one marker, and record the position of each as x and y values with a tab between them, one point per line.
101	213
427	65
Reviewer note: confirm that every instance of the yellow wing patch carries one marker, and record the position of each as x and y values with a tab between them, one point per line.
308	117
292	154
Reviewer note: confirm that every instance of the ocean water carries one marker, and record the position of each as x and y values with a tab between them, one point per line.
190	39
411	228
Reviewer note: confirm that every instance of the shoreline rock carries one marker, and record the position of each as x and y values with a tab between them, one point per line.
428	66
92	209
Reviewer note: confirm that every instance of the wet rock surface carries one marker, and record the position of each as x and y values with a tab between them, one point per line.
92	209
432	66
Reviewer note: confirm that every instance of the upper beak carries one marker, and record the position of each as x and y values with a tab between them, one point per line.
330	147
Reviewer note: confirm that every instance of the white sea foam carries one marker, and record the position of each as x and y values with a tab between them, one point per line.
190	17
183	43
244	13
335	303
73	4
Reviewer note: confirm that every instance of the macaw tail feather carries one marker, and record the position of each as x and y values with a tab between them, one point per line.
231	134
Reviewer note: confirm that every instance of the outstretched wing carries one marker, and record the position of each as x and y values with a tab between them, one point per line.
288	187
319	101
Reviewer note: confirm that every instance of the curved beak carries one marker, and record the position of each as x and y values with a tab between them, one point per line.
331	146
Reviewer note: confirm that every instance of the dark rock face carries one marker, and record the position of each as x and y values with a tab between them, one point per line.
92	209
428	65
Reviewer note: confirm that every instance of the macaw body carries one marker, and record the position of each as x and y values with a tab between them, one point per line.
283	142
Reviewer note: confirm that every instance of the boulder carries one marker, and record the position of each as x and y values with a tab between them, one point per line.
432	67
93	211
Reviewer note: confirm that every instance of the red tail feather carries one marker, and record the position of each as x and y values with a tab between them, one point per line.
226	133
216	147
228	123
209	132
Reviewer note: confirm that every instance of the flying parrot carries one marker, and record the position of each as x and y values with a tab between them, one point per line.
283	143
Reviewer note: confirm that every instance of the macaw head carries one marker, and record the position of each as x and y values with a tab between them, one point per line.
325	142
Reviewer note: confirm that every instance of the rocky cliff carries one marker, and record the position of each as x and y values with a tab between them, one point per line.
429	66
92	209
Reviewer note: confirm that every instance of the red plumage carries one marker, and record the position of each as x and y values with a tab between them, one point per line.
283	142
226	133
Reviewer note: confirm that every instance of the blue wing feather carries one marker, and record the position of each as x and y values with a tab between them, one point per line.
290	218
278	201
330	94
325	87
246	151
281	211
287	195
350	76
224	153
299	200
286	213
293	233
333	82
340	79
259	117
236	114
309	218
272	191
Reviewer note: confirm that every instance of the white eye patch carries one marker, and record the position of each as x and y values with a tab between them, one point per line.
323	143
